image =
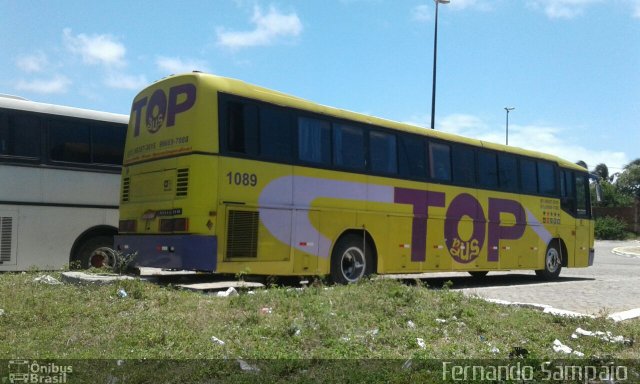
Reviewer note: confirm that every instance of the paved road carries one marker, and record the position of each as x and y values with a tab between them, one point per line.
610	286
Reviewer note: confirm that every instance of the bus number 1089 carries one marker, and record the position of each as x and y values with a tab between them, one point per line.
245	179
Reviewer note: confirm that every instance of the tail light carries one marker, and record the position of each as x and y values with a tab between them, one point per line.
127	225
174	225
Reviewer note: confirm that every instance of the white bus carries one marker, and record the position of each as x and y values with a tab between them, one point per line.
59	184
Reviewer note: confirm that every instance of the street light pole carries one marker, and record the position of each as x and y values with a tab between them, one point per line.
435	56
508	109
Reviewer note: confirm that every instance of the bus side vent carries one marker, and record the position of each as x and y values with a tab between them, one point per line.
126	183
242	234
182	184
6	232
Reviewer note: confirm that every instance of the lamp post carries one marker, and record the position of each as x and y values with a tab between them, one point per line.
508	109
435	55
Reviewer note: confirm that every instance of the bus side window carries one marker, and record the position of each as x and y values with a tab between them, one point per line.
440	161
314	141
275	133
242	128
507	172
348	146
69	142
383	152
19	135
412	156
567	199
464	165
546	178
107	142
528	176
487	170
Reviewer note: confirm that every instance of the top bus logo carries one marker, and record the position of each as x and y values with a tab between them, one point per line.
161	109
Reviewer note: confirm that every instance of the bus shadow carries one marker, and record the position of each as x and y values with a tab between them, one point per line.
463	282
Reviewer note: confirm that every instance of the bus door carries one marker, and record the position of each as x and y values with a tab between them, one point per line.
583	222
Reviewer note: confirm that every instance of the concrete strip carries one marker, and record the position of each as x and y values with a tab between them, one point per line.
147	271
219	285
541	307
92	278
625	315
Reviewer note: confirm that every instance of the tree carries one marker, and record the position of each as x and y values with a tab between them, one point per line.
602	171
629	180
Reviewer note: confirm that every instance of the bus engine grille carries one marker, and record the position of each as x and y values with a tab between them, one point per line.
242	234
6	227
182	185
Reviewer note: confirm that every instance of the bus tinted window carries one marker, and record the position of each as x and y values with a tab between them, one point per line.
275	133
348	146
440	161
546	178
464	165
69	141
582	196
412	157
242	128
507	172
528	176
383	152
314	141
108	143
487	170
19	135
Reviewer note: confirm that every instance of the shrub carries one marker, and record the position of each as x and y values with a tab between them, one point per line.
610	228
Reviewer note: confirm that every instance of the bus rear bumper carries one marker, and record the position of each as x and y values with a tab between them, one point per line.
184	252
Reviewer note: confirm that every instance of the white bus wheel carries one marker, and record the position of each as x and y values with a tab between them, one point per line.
351	259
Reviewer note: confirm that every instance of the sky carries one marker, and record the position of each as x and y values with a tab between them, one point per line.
570	68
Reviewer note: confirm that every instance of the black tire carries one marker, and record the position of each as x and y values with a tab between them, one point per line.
552	262
478	274
351	259
87	255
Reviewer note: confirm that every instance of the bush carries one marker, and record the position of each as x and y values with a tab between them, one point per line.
610	228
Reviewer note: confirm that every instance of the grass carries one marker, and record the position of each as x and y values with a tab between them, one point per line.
312	330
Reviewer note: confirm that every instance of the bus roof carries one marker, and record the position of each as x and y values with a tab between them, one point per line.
241	88
52	109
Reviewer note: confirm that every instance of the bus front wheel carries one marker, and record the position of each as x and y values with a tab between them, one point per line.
552	263
351	259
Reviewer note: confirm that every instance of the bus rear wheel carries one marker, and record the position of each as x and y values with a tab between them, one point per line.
351	260
552	263
478	274
91	255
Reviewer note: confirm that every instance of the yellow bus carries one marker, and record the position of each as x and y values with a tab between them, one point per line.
227	177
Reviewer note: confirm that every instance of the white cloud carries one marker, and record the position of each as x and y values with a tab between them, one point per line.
36	62
124	81
58	84
422	13
542	138
95	49
175	65
268	29
562	9
635	5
